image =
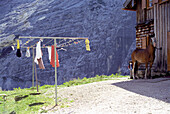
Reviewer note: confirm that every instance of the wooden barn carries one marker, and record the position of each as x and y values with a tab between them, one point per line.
153	16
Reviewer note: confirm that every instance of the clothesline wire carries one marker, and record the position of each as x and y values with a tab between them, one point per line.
61	45
83	38
48	42
26	42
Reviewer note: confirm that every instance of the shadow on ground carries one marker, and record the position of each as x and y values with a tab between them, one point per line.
156	88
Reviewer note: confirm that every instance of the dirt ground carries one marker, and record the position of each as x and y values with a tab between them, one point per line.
121	96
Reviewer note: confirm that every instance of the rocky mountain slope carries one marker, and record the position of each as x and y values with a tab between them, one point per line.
111	32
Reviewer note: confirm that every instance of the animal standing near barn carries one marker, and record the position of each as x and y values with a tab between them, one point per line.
145	56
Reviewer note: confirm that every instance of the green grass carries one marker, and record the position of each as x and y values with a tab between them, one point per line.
22	106
46	96
90	80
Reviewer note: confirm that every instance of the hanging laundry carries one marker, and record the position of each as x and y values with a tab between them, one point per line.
40	63
18	53
13	48
28	52
49	53
53	57
87	44
38	57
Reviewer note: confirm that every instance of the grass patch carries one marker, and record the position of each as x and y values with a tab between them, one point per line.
46	98
22	106
90	80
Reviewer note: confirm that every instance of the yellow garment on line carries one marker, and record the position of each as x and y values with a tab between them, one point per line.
87	44
18	45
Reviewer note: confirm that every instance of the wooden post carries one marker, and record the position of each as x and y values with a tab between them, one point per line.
166	36
55	72
33	68
36	77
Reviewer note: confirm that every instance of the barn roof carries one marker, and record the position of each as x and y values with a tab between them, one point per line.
130	5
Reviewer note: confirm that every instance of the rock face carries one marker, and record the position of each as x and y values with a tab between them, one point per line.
111	32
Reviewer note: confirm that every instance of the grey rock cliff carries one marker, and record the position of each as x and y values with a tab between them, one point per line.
111	32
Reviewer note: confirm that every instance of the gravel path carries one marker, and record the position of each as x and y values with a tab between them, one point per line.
117	97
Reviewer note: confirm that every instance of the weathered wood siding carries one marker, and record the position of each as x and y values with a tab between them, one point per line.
168	52
144	14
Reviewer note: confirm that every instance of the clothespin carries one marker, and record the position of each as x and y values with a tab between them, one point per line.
87	44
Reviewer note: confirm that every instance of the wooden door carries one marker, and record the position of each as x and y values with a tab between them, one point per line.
168	51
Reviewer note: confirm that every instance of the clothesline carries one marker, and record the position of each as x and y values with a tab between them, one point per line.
54	55
65	44
76	38
60	46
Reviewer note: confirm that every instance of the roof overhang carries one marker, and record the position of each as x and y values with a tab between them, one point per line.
130	5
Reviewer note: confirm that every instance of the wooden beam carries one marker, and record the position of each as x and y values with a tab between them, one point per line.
128	9
34	37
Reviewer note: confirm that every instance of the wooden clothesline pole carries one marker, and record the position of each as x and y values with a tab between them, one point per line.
33	67
36	77
55	71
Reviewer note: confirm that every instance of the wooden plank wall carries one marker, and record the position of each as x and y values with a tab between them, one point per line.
156	28
168	52
144	14
168	37
161	28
